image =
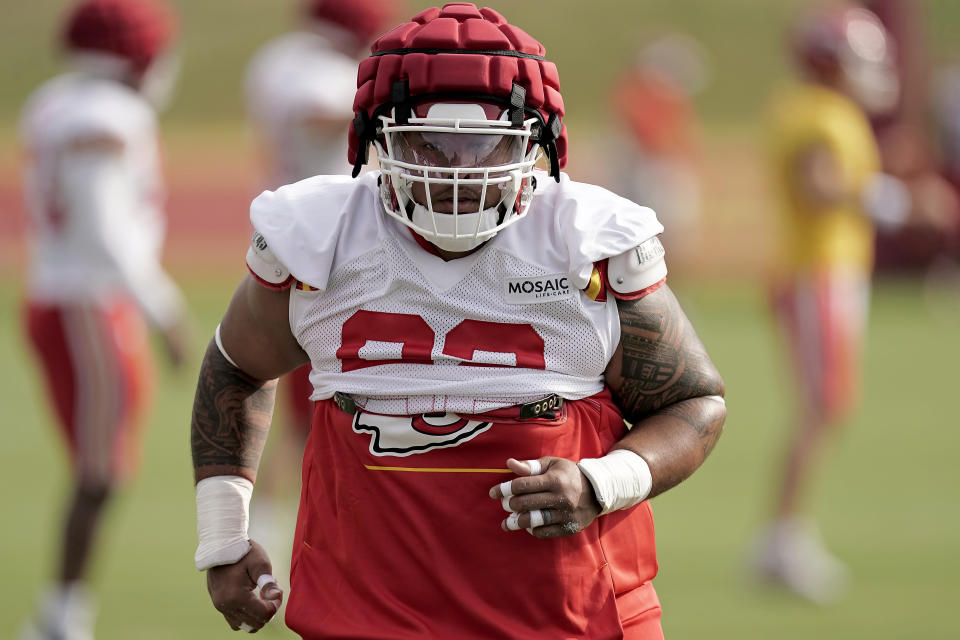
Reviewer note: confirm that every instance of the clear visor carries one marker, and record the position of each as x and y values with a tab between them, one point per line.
459	150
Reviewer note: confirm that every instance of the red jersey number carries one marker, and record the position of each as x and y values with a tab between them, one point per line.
411	331
469	341
470	336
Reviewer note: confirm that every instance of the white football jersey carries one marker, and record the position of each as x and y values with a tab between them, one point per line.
299	92
94	193
405	332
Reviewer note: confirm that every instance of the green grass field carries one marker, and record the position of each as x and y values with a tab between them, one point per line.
887	496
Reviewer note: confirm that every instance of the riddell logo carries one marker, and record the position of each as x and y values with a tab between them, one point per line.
537	289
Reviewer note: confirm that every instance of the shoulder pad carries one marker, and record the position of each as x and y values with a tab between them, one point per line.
265	267
640	268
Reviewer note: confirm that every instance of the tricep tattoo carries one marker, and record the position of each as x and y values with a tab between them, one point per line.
661	361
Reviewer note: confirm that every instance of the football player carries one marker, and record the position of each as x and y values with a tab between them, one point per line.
826	169
478	330
929	240
95	199
300	90
660	155
300	87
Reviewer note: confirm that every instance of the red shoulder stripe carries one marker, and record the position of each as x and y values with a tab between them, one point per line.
275	286
636	295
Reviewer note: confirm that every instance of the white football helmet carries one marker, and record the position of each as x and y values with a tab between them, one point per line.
457	173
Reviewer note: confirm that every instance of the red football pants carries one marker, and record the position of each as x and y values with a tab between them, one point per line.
823	318
97	364
391	546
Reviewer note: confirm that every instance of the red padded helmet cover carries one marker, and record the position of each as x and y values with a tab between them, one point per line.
136	30
415	51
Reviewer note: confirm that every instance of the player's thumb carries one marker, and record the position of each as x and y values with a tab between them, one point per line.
260	571
269	589
528	467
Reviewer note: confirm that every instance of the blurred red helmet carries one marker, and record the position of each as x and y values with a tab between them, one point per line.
459	53
847	42
135	30
365	19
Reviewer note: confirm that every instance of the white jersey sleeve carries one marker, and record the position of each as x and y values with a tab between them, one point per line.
596	224
306	225
631	274
265	266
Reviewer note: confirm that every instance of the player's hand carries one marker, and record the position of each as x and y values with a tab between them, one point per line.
235	593
550	502
935	203
176	342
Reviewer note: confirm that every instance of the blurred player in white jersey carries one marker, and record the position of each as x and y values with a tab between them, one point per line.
300	89
477	330
94	194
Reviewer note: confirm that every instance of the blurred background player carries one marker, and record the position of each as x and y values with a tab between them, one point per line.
659	163
946	103
300	89
93	189
947	116
826	169
300	84
910	151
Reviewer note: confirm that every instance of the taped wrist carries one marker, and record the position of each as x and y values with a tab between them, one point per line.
223	514
620	479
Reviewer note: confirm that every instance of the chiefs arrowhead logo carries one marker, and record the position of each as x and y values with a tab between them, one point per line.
409	435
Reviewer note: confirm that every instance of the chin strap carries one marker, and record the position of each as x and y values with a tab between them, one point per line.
548	140
363	126
518	98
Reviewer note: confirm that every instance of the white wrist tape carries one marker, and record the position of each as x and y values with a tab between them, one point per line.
620	479
223	352
223	514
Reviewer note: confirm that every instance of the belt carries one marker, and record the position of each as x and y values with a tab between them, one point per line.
544	408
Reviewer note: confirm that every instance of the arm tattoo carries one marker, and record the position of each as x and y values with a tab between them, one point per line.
701	415
231	417
662	379
662	361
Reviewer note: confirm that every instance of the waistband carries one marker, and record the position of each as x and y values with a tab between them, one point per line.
546	407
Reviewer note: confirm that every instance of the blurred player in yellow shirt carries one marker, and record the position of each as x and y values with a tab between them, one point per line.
824	156
830	193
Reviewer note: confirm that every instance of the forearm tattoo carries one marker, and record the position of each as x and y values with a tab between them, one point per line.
704	415
231	416
661	359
